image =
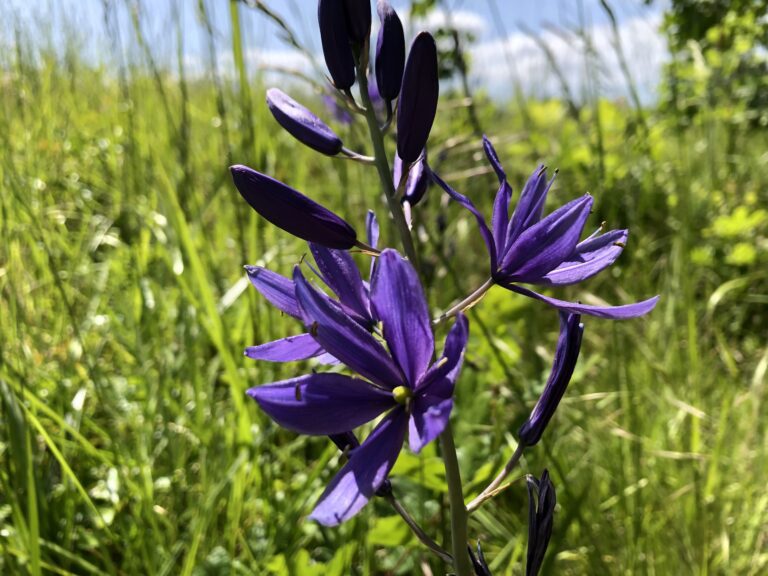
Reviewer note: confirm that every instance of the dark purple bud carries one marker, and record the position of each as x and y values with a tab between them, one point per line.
337	50
566	355
390	51
290	210
541	512
302	124
418	98
478	562
419	177
358	19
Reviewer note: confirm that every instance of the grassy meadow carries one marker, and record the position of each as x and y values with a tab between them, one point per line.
128	446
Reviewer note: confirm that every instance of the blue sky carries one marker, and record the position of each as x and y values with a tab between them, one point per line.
503	55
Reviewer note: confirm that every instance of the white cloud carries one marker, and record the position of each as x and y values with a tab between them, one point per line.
462	20
501	64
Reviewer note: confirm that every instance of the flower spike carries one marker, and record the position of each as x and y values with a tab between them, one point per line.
418	98
290	210
302	124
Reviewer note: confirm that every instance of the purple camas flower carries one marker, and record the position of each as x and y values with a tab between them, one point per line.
302	124
418	98
566	355
541	511
534	250
335	38
416	396
390	51
290	210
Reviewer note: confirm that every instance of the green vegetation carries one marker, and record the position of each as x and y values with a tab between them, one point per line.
127	445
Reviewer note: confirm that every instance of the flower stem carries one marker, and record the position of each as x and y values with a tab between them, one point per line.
468	302
459	537
418	531
493	487
382	165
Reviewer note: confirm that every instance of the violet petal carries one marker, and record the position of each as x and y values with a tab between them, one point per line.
590	257
289	349
400	304
344	338
467	203
429	418
340	273
622	312
439	379
531	205
321	404
366	471
278	290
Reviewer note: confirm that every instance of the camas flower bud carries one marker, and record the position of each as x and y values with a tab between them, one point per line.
358	19
337	50
541	511
302	124
419	177
390	52
290	210
418	98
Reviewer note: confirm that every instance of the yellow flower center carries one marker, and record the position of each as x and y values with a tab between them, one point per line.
402	394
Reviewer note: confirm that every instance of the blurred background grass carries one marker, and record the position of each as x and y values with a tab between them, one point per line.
126	443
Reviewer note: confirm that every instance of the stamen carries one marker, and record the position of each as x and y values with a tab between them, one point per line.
402	394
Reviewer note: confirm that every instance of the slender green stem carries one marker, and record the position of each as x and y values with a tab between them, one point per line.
385	175
418	531
493	487
467	302
459	536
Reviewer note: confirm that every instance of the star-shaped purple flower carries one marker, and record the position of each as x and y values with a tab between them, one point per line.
400	380
534	250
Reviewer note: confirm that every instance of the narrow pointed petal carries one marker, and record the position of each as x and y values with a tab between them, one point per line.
366	471
500	217
302	124
337	50
419	178
428	420
467	203
400	304
358	19
372	229
390	51
340	273
566	355
547	243
590	257
344	338
418	99
290	210
439	380
531	205
321	404
277	289
610	312
289	349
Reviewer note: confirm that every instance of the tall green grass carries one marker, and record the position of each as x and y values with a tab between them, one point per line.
127	445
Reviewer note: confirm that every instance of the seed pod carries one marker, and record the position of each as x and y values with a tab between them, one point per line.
390	52
418	98
290	210
302	124
337	50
